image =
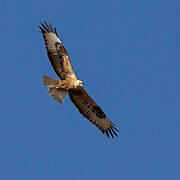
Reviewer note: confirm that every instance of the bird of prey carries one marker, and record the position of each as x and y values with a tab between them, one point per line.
69	83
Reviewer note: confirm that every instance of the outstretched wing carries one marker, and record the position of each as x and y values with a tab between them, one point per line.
56	52
89	109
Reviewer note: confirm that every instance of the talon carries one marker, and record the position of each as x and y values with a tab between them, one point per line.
60	86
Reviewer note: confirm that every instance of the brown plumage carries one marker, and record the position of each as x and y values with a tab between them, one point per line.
56	52
70	84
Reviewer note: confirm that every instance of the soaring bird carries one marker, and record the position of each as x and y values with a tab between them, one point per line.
69	83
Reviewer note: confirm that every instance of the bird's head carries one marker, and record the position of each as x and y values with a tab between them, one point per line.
79	83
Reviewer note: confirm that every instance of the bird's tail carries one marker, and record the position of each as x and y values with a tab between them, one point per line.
57	94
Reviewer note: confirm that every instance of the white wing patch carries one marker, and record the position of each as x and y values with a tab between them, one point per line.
51	39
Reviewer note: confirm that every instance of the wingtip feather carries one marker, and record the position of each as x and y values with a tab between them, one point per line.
107	133
115	128
111	133
51	27
47	26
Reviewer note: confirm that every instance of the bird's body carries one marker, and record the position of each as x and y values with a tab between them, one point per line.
70	84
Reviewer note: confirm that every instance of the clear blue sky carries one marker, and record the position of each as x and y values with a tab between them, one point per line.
128	55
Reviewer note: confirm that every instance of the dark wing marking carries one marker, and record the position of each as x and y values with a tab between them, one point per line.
56	52
89	109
